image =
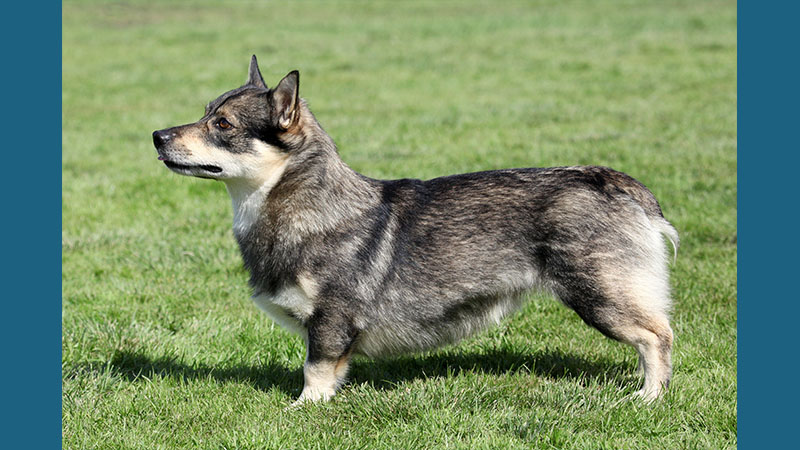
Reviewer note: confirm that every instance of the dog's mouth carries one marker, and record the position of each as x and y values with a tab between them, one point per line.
184	168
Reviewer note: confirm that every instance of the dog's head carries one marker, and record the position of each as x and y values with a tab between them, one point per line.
245	134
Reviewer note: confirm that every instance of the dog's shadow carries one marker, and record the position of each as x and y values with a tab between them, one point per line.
383	374
387	373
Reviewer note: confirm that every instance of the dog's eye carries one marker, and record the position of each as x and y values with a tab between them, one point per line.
224	124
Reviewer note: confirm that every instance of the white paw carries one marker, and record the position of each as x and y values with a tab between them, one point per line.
310	395
647	395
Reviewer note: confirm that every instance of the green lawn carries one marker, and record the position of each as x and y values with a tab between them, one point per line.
162	347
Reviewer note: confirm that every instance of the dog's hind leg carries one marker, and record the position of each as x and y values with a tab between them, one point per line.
652	339
633	316
640	366
640	301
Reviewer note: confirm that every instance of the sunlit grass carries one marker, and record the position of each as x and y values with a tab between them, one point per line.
162	347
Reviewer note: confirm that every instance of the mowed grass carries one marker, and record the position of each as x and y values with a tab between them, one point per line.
162	347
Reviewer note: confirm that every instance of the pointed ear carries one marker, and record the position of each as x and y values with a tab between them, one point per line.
286	100
254	78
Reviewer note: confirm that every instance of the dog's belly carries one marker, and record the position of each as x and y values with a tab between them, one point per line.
388	337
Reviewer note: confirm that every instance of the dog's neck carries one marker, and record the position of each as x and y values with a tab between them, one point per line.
306	192
248	198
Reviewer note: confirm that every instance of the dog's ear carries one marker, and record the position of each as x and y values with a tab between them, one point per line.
285	100
254	78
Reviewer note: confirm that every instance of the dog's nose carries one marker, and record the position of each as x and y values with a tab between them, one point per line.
160	137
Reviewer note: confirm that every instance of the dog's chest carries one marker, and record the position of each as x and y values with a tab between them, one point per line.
289	307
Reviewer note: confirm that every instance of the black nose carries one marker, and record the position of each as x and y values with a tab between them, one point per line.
160	137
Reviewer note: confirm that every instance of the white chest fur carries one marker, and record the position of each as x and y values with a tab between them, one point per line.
247	205
289	308
257	173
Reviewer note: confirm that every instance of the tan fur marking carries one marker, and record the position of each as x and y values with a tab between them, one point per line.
323	378
342	366
197	147
653	342
308	285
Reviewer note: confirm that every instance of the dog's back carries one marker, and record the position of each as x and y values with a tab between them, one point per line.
456	251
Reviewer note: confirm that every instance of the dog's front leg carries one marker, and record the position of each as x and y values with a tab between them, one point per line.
329	347
319	381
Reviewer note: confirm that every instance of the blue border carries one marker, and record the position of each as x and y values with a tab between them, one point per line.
31	294
768	156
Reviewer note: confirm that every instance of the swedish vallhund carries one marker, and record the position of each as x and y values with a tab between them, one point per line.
374	267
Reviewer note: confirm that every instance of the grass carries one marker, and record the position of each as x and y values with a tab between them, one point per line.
162	347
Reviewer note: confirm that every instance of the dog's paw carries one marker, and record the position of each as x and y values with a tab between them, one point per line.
647	396
298	403
310	395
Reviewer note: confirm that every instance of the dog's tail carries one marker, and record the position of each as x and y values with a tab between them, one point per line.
652	209
670	232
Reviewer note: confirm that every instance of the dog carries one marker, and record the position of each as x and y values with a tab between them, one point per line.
356	265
